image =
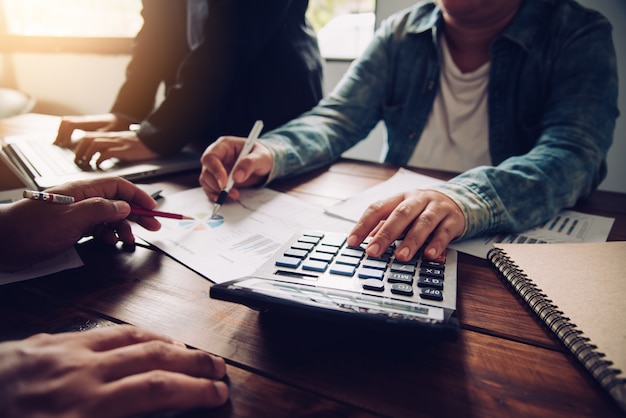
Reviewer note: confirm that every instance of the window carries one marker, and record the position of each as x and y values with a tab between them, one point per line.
344	27
96	26
78	18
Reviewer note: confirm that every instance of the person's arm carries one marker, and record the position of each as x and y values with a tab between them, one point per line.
38	230
158	49
112	372
568	161
314	139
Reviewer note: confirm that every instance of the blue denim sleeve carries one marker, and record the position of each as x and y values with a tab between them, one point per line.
568	161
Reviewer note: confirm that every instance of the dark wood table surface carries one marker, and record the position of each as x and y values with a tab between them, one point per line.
503	364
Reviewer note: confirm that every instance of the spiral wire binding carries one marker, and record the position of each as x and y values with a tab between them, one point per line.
560	325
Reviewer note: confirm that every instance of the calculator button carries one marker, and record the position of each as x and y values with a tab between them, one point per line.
373	284
433	264
365	273
329	249
395	277
334	240
374	264
343	269
316	255
430	293
291	252
313	265
384	257
309	239
299	245
402	267
353	252
402	289
425	281
347	260
291	262
427	271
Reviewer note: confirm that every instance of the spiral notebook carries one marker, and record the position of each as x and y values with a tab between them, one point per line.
579	292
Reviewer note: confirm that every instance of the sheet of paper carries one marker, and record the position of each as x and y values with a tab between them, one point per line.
68	260
245	234
352	209
567	227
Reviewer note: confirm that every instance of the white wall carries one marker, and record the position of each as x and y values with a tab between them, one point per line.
82	84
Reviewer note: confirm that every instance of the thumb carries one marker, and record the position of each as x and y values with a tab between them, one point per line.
252	168
243	170
97	210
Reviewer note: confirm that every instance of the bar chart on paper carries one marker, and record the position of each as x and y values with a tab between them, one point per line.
237	240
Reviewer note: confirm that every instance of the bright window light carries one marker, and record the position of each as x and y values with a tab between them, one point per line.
344	27
72	18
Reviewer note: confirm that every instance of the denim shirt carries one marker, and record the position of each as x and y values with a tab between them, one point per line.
552	106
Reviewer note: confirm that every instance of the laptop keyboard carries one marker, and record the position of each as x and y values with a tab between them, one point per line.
47	160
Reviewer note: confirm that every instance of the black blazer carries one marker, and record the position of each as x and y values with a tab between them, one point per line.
259	60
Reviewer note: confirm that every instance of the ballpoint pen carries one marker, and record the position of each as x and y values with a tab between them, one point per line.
247	147
63	199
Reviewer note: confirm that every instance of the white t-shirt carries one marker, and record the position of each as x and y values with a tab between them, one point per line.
456	135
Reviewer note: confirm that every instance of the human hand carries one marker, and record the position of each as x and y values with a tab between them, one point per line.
113	372
40	230
420	214
103	122
124	145
218	159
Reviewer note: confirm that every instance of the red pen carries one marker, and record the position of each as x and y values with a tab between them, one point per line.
146	212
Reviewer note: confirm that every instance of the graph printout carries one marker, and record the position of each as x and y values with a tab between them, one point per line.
241	237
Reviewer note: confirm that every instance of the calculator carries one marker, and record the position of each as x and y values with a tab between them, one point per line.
316	274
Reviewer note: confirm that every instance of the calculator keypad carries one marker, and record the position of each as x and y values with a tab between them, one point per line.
327	254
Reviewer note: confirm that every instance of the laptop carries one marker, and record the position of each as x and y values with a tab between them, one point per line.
316	275
42	164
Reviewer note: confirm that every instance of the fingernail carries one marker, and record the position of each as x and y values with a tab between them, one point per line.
404	252
222	390
238	176
374	248
121	207
431	252
353	240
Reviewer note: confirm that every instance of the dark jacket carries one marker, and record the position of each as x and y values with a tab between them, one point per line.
258	60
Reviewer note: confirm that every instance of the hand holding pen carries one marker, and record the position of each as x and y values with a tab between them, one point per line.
247	147
100	209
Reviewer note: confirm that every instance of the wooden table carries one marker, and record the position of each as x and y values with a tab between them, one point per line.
504	363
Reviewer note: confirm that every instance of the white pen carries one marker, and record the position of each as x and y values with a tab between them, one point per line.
47	197
247	147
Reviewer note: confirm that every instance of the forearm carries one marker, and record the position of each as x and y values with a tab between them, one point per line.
524	191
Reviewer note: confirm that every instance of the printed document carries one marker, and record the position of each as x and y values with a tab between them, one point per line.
241	237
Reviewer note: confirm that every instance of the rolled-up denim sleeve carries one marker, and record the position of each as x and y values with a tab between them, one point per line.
568	161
